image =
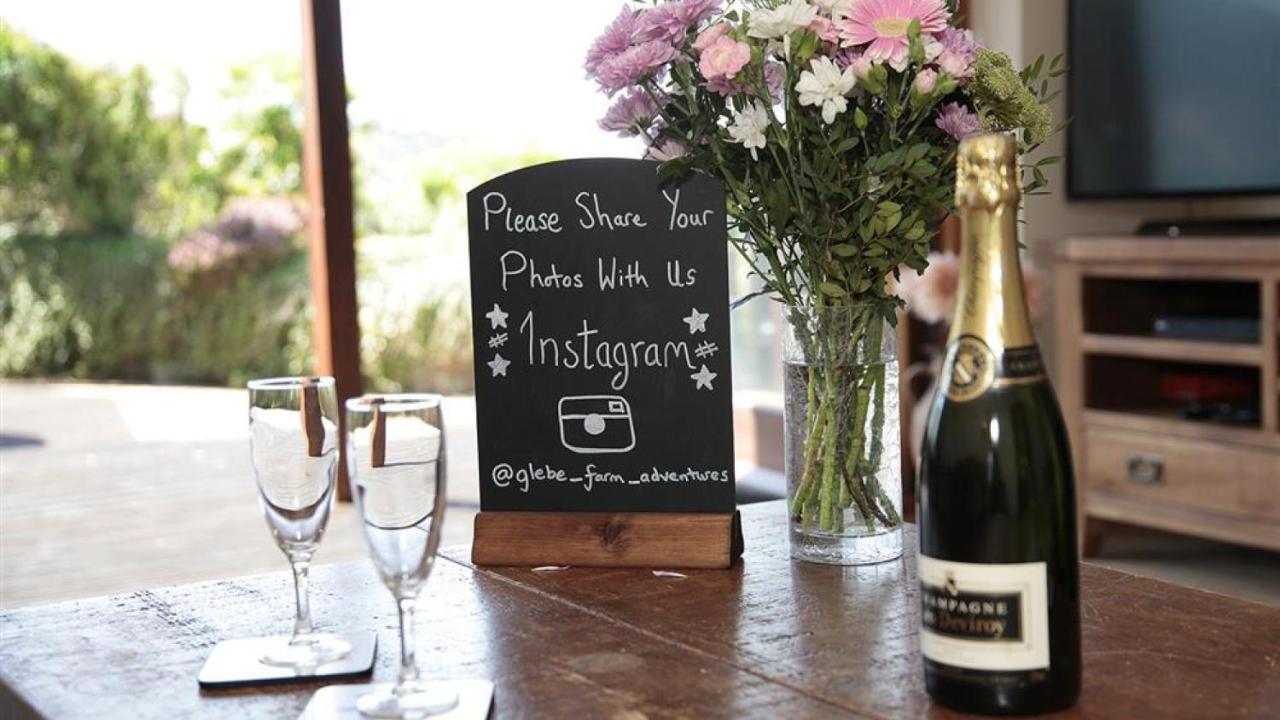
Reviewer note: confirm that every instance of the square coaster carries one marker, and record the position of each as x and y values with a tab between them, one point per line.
338	702
237	663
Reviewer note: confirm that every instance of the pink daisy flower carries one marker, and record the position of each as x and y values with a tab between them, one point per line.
959	47
672	20
633	64
632	114
957	121
882	26
612	42
666	149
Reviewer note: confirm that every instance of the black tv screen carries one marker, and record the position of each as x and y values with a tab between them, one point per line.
1173	97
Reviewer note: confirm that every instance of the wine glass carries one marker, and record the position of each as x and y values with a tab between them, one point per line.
293	439
396	464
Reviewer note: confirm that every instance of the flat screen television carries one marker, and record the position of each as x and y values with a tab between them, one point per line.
1173	98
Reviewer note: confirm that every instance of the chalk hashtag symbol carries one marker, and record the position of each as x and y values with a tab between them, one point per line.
498	340
706	350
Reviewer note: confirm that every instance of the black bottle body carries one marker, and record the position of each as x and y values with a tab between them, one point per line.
997	490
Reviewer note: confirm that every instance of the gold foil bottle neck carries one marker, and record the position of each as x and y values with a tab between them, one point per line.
987	171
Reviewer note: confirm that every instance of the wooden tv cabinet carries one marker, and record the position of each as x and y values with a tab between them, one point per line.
1127	391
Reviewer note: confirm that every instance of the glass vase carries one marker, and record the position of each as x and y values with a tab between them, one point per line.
843	445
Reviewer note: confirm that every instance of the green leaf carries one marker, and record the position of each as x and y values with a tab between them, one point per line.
803	44
923	168
844	250
832	290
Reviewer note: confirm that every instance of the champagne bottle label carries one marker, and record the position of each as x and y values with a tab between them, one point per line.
986	616
975	368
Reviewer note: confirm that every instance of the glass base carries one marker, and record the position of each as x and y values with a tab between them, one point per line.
307	651
412	700
846	549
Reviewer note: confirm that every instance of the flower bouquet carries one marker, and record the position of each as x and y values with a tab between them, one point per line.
834	126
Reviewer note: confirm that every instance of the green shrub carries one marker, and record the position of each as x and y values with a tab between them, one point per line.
255	323
85	307
426	349
110	308
80	150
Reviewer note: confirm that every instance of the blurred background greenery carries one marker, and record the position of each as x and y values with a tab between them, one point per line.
138	245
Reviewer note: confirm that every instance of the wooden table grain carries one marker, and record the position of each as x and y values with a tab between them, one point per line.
769	638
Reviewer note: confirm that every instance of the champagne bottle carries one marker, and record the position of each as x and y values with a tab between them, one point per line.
999	576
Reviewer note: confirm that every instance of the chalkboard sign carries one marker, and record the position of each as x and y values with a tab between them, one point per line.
600	311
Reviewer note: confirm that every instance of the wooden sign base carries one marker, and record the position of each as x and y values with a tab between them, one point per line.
591	539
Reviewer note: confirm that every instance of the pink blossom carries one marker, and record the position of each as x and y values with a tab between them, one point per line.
247	228
1033	286
671	20
958	121
926	80
963	42
666	149
882	26
931	295
861	67
633	114
724	58
725	86
615	39
959	49
825	29
633	64
710	35
693	12
954	65
659	23
773	77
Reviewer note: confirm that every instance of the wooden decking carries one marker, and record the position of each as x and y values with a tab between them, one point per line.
81	517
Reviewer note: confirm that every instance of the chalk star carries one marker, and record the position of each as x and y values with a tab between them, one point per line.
703	378
497	318
498	365
697	321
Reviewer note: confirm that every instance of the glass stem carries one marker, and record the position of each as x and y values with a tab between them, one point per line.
408	661
302	627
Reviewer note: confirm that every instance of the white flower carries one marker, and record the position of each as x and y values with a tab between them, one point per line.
824	85
748	127
832	8
781	20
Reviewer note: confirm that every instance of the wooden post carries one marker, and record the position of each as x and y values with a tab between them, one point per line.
326	162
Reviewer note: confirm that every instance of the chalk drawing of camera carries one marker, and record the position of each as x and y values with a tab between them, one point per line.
596	424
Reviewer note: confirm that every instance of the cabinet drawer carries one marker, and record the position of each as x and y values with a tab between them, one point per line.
1188	473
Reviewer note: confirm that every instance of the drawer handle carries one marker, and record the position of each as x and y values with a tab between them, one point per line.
1146	469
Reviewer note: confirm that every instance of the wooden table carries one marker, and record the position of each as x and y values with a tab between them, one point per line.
770	639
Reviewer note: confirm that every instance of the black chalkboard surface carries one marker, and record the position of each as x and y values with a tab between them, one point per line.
599	298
